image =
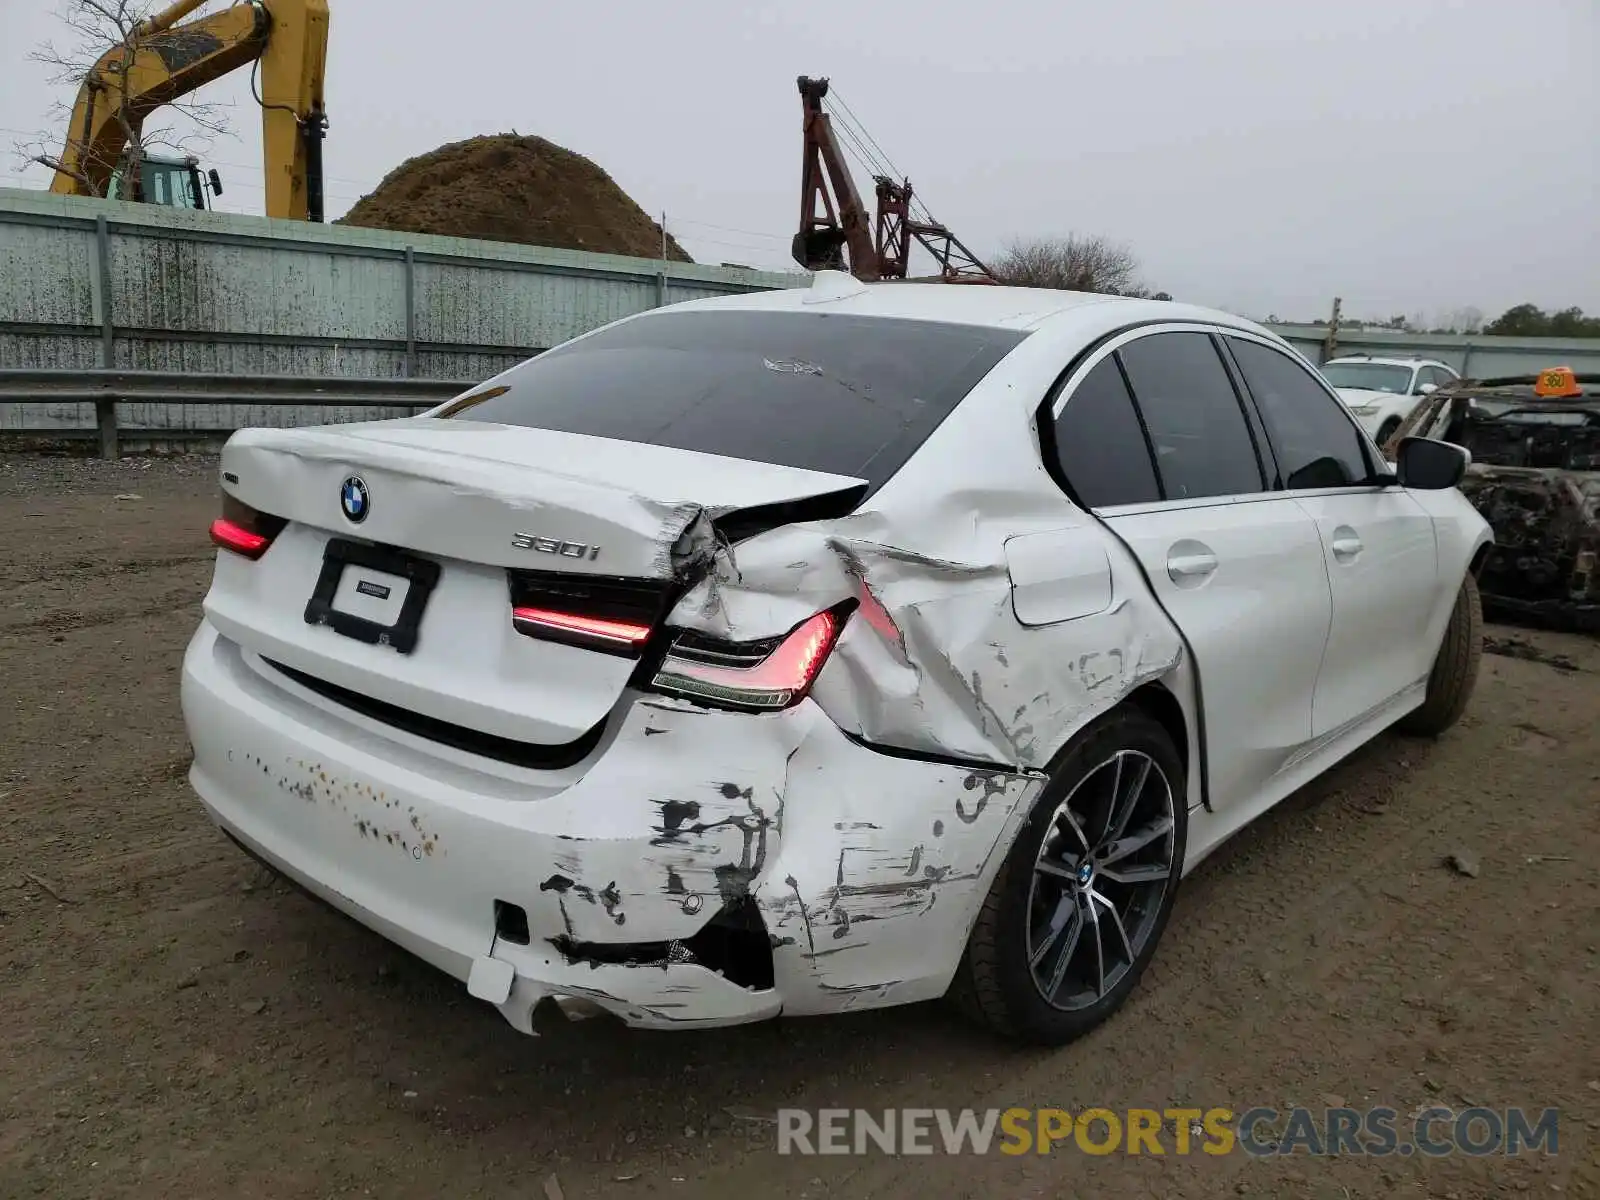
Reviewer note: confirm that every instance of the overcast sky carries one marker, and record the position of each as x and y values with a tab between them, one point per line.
1411	156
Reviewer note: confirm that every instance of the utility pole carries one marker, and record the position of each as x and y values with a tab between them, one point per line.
661	275
1330	344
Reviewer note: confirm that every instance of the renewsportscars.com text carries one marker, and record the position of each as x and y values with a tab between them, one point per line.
1261	1132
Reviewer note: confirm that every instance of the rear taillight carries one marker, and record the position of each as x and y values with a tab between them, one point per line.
243	529
238	539
766	675
608	613
548	621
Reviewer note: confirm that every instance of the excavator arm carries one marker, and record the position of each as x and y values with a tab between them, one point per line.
163	61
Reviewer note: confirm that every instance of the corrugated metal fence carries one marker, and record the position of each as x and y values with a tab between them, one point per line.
1473	355
90	284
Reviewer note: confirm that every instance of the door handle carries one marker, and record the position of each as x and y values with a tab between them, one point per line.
1346	544
1190	565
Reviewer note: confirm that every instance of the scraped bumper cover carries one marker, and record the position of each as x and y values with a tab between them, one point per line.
865	870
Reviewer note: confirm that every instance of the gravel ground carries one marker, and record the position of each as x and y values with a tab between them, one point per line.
176	1023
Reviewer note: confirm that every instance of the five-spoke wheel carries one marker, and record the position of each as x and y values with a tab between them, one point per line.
1098	880
1076	911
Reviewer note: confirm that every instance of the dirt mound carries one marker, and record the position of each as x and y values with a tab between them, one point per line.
510	188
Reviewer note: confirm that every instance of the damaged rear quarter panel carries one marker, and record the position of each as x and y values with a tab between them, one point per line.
934	660
880	881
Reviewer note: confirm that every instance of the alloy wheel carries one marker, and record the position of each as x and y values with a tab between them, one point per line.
1099	878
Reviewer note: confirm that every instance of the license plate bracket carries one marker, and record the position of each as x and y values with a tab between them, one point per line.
420	573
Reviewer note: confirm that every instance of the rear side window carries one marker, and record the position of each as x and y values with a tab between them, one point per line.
1197	429
1316	443
833	392
1100	445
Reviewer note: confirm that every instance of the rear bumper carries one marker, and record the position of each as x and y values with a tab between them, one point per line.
864	870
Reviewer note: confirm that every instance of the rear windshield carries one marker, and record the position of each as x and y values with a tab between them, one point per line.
849	395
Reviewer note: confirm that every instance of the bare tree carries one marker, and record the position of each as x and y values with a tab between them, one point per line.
1076	263
100	54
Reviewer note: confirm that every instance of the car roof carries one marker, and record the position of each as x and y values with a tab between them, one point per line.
988	305
1385	362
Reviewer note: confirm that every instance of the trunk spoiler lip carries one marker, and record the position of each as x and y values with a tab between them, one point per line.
741	523
345	443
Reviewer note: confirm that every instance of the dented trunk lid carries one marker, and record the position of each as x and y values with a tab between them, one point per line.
469	490
458	517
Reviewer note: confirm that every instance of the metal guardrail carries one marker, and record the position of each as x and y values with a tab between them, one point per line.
105	389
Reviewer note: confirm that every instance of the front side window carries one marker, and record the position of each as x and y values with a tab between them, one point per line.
1099	444
1316	442
1196	426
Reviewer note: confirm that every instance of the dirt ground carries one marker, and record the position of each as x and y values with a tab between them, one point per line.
175	1024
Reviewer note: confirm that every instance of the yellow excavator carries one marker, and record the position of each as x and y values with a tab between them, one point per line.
162	61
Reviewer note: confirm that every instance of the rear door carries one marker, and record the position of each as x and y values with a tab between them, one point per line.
1377	542
1151	436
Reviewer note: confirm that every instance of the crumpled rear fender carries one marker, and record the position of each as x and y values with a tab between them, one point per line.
934	660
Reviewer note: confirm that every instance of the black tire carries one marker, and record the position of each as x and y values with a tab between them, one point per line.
1455	670
1386	431
995	983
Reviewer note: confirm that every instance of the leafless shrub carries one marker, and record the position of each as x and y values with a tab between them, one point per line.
1076	263
98	51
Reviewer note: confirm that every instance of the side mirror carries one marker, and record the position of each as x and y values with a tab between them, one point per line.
1429	465
1428	389
216	182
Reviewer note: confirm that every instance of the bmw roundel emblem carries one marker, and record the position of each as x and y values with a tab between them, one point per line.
353	499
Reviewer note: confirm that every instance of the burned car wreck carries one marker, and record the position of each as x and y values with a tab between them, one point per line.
1535	477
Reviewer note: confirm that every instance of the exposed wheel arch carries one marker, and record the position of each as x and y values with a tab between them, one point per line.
1479	557
1158	702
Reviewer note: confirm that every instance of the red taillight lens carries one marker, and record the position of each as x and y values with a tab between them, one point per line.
760	676
609	614
237	538
243	529
545	620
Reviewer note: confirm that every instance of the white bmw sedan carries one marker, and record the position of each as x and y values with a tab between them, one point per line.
820	649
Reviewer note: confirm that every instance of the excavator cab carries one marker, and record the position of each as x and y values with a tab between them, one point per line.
161	60
173	182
